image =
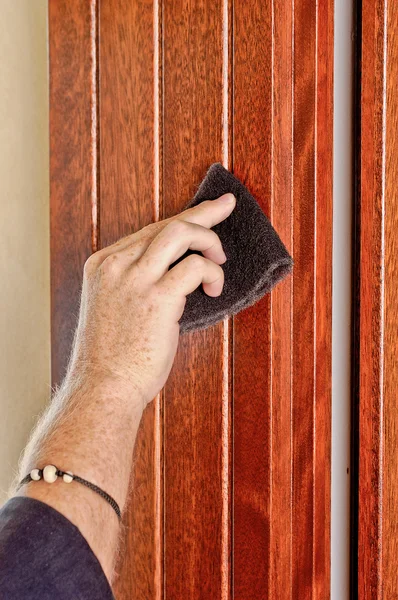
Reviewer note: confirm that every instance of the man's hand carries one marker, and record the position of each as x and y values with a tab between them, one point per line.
131	302
124	348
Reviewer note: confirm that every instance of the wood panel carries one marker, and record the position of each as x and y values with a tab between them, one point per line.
378	308
323	300
231	479
73	176
280	211
196	437
130	199
282	346
252	158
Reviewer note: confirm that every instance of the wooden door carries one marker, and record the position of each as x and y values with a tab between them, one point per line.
231	481
376	551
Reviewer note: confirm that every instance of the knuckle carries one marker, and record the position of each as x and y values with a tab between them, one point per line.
196	262
176	228
148	229
111	266
147	233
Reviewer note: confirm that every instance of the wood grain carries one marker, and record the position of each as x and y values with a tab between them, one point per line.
378	309
130	199
304	315
195	437
72	159
281	213
282	346
323	299
390	379
231	482
252	158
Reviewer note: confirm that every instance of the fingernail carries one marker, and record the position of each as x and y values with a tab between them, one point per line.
227	198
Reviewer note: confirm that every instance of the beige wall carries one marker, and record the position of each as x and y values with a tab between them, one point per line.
24	233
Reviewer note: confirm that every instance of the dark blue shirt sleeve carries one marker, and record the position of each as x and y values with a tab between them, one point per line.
44	556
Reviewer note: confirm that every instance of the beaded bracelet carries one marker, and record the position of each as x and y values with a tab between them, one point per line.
50	473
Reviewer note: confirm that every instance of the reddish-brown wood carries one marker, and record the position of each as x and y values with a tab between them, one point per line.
129	187
282	357
231	481
72	173
390	376
378	307
280	571
323	299
252	158
196	437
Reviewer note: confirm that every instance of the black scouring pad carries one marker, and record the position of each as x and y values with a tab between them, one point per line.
256	258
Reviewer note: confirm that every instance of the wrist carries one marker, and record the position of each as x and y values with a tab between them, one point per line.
102	385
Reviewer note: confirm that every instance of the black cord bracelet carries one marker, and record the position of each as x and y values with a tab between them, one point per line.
50	473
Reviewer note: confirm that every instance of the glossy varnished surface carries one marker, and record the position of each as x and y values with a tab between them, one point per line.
231	479
129	200
72	176
282	361
194	436
252	157
378	308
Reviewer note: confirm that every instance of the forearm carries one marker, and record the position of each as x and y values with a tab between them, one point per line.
88	429
123	351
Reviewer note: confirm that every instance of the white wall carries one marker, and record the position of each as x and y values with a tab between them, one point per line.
24	226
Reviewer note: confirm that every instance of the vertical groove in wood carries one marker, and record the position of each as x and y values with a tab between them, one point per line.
158	213
72	172
390	384
158	496
130	159
226	465
227	392
315	315
271	346
383	414
158	87
292	232
196	398
95	192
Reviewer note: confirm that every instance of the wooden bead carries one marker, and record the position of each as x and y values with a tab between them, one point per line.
50	473
35	475
67	477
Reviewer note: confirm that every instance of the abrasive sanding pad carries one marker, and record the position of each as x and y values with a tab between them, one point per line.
256	257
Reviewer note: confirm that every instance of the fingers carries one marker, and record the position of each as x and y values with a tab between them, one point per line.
174	240
132	247
189	230
209	212
187	275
